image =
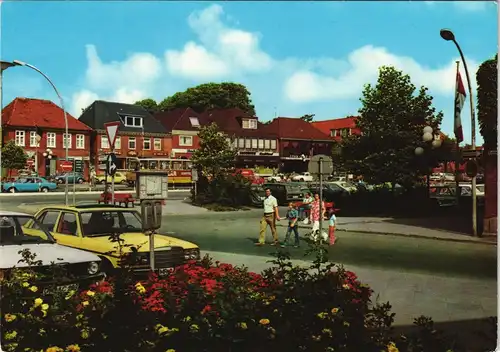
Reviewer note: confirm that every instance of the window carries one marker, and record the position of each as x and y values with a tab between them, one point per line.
248	143
273	144
241	143
67	140
350	131
344	132
49	219
51	140
266	144
254	143
250	124
261	144
102	223
133	121
194	121
118	142
186	141
146	144
104	142
67	224
333	133
131	143
20	138
80	141
34	141
157	143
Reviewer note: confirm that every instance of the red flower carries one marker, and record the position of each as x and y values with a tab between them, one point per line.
206	309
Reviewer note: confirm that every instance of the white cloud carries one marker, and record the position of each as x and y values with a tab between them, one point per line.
223	50
363	63
81	100
468	6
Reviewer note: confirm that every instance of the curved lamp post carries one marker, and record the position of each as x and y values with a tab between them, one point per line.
66	134
3	66
449	36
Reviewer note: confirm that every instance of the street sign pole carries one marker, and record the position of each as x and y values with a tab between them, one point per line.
74	183
112	180
112	131
320	168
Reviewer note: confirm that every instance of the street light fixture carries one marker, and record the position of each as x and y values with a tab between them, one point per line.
448	35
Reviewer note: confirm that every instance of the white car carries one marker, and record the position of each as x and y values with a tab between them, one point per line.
83	268
443	177
276	178
304	177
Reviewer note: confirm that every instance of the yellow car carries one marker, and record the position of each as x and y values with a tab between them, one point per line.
119	178
89	227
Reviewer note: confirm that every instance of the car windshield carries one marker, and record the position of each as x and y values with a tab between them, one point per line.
12	231
104	223
293	188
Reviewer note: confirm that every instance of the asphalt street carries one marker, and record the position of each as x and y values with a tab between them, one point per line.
238	231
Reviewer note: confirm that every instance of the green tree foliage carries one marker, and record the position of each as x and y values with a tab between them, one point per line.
214	156
149	104
13	157
211	96
392	119
487	99
307	117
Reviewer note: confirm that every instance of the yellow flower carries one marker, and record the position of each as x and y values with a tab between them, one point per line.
90	293
194	328
54	349
322	315
316	337
11	335
264	321
186	319
84	334
335	310
170	350
73	348
70	294
85	303
242	326
25	284
41	332
391	347
45	306
33	288
346	286
327	332
38	302
346	323
9	317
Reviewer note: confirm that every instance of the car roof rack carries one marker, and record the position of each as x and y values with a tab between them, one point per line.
93	205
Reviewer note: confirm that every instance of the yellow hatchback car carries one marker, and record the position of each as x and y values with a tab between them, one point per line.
89	227
119	178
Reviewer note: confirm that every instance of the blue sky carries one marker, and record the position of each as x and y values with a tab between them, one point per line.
295	57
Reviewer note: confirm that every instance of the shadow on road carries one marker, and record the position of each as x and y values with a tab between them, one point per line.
461	225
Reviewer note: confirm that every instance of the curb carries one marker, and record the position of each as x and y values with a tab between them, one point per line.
48	194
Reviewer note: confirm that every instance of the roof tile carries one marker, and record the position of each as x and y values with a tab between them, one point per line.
335	124
295	128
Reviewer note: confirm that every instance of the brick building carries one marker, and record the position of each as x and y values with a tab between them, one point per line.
140	137
38	125
338	128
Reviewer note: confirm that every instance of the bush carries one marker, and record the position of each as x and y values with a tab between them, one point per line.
207	306
227	191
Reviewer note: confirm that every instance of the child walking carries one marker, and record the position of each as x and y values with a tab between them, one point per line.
292	215
331	226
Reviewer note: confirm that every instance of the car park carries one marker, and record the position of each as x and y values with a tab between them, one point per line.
19	231
29	184
285	192
91	227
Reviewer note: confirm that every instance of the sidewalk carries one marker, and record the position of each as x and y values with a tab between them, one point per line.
410	294
59	193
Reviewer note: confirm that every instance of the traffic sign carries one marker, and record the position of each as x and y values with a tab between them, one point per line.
326	165
111	163
112	132
471	168
78	166
66	166
470	153
30	162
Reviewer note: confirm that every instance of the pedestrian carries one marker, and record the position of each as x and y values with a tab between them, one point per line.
292	215
305	208
331	226
317	214
271	214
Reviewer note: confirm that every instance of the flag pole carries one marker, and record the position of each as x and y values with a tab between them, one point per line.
457	155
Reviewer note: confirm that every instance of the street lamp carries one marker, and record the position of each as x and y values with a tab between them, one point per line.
448	35
4	66
48	154
427	136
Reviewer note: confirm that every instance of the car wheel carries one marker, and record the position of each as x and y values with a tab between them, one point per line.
60	181
301	180
44	189
102	182
124	182
12	190
80	180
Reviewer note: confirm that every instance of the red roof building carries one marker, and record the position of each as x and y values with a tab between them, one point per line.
39	127
338	128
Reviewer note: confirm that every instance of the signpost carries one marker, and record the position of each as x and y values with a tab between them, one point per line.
111	162
320	165
66	166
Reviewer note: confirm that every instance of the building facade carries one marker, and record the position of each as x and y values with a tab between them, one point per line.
338	128
38	127
141	139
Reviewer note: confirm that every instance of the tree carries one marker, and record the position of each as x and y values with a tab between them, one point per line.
149	104
391	119
211	96
486	78
13	157
215	156
307	117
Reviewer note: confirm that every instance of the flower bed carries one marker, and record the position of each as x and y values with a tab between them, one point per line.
203	306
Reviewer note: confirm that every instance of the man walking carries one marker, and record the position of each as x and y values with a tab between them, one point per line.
271	214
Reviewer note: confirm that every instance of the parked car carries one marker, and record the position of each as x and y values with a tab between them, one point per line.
304	177
19	231
445	195
443	177
258	195
73	177
119	178
332	192
276	178
89	227
29	184
348	186
285	192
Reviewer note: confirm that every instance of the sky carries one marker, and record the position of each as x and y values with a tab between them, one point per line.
296	58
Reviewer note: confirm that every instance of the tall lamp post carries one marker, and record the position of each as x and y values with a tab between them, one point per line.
3	66
448	35
61	102
427	137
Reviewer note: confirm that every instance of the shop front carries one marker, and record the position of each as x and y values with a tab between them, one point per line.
258	161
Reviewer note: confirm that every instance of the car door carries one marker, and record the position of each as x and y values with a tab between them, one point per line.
67	231
48	219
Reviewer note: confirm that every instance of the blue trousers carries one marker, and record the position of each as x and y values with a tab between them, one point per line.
295	230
